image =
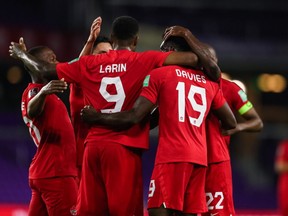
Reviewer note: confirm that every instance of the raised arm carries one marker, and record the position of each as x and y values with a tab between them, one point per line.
121	120
36	104
35	65
206	58
94	33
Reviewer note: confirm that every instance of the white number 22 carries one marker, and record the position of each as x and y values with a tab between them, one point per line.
211	198
201	108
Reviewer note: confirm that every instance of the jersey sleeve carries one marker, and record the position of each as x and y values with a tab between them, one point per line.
156	58
240	100
218	100
70	71
151	85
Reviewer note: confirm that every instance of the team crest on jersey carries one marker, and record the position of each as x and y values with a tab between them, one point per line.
74	60
146	81
242	95
33	92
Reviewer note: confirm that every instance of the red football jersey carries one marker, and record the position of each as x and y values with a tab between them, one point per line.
111	82
282	152
217	143
53	134
184	97
76	99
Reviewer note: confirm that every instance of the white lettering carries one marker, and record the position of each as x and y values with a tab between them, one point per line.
113	68
190	75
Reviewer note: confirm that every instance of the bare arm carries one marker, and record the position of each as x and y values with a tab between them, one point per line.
181	58
206	58
35	65
121	120
94	32
226	116
252	123
36	104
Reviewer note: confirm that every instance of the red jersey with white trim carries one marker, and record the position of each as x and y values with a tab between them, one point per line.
184	97
111	82
76	99
218	145
53	134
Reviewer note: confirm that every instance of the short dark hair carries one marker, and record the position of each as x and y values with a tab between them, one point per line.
125	28
37	50
101	39
175	43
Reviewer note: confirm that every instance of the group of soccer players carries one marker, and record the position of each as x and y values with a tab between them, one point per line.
121	88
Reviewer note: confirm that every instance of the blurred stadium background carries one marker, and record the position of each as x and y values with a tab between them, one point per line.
250	37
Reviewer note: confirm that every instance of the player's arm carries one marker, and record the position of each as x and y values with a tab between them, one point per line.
34	64
121	120
252	123
94	33
226	116
154	118
206	58
37	103
181	58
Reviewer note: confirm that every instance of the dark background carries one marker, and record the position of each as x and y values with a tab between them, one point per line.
250	38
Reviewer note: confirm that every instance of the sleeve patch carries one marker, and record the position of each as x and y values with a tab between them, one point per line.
245	108
33	92
74	60
242	95
146	81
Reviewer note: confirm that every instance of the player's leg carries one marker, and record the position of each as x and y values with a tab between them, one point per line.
195	200
218	187
122	172
37	206
92	197
59	195
168	188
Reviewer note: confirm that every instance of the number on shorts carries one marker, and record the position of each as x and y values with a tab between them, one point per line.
211	198
201	108
117	98
151	188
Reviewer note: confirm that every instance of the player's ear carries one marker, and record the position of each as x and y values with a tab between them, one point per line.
136	41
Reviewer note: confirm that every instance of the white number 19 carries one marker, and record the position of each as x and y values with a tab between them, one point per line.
201	108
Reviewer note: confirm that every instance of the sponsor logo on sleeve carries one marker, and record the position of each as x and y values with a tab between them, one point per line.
242	95
146	81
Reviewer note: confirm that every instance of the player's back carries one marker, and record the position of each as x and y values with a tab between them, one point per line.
184	99
111	83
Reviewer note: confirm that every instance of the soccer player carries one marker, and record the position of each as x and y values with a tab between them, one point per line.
95	45
111	182
184	97
219	177
281	168
52	171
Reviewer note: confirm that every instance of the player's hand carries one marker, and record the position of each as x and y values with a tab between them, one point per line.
179	31
89	114
95	29
15	50
231	131
54	86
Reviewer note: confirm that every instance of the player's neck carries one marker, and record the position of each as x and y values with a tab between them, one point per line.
117	47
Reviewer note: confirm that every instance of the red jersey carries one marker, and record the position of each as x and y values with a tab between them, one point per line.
111	82
217	143
52	132
282	152
184	97
76	99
